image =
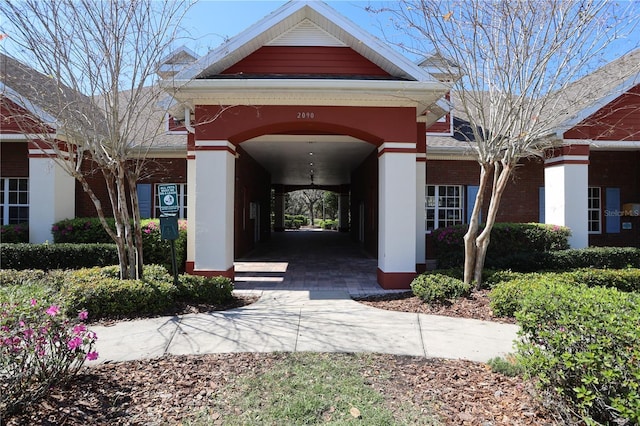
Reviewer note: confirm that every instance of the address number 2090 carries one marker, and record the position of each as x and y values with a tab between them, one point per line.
302	115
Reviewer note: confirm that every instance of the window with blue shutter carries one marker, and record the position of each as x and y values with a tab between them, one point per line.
472	193
612	210
144	199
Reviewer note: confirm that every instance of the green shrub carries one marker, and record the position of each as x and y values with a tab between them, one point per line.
157	251
507	366
622	279
57	256
11	277
506	297
507	294
85	230
105	296
18	233
507	240
583	345
438	287
593	257
210	290
492	277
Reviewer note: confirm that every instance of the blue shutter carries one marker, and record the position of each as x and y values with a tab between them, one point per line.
612	210
541	204
144	199
472	192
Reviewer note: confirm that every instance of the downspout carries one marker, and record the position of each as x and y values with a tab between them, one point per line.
187	121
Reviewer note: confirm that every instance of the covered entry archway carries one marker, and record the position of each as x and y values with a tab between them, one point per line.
304	74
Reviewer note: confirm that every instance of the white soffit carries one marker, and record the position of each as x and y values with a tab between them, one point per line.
306	33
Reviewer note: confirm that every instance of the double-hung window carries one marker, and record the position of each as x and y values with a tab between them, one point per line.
182	201
594	210
14	200
444	206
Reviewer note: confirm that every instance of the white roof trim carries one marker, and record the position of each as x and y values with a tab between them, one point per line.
21	101
286	18
596	105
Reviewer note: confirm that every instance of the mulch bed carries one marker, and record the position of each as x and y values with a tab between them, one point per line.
172	389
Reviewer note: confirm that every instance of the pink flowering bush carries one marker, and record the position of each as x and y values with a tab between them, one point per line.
39	348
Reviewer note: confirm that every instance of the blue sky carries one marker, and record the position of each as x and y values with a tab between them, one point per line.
209	22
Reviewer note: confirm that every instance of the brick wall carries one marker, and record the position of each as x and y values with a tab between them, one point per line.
613	169
364	189
14	160
520	201
253	185
157	170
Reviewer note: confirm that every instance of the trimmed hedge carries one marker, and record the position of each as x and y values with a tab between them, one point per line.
583	345
197	289
104	295
507	240
593	257
99	291
56	256
73	248
507	296
432	287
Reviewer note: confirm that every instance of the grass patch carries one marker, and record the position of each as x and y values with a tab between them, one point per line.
310	388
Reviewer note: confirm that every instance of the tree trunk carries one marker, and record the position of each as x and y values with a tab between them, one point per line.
474	222
137	226
501	174
311	205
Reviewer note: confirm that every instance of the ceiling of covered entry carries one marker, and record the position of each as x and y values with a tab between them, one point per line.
292	159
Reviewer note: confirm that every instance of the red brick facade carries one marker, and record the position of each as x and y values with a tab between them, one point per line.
14	158
157	170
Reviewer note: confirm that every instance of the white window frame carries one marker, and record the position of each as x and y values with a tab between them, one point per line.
182	201
440	197
594	194
5	199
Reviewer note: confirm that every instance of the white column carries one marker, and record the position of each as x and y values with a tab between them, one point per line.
214	224
192	210
566	181
397	214
51	196
421	214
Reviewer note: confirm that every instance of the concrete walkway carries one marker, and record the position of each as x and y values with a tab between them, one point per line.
305	280
312	320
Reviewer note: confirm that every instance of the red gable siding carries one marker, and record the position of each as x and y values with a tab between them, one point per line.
15	119
297	60
617	121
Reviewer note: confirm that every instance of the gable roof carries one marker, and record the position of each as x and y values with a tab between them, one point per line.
309	23
43	96
586	96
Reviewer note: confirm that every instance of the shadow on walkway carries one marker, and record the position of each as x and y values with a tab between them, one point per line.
308	260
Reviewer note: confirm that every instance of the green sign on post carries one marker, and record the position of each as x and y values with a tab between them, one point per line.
169	227
168	195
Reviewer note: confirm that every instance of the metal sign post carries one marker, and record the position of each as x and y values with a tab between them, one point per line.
168	194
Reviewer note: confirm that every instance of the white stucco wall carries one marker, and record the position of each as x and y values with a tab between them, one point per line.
214	190
397	210
565	196
421	213
51	197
